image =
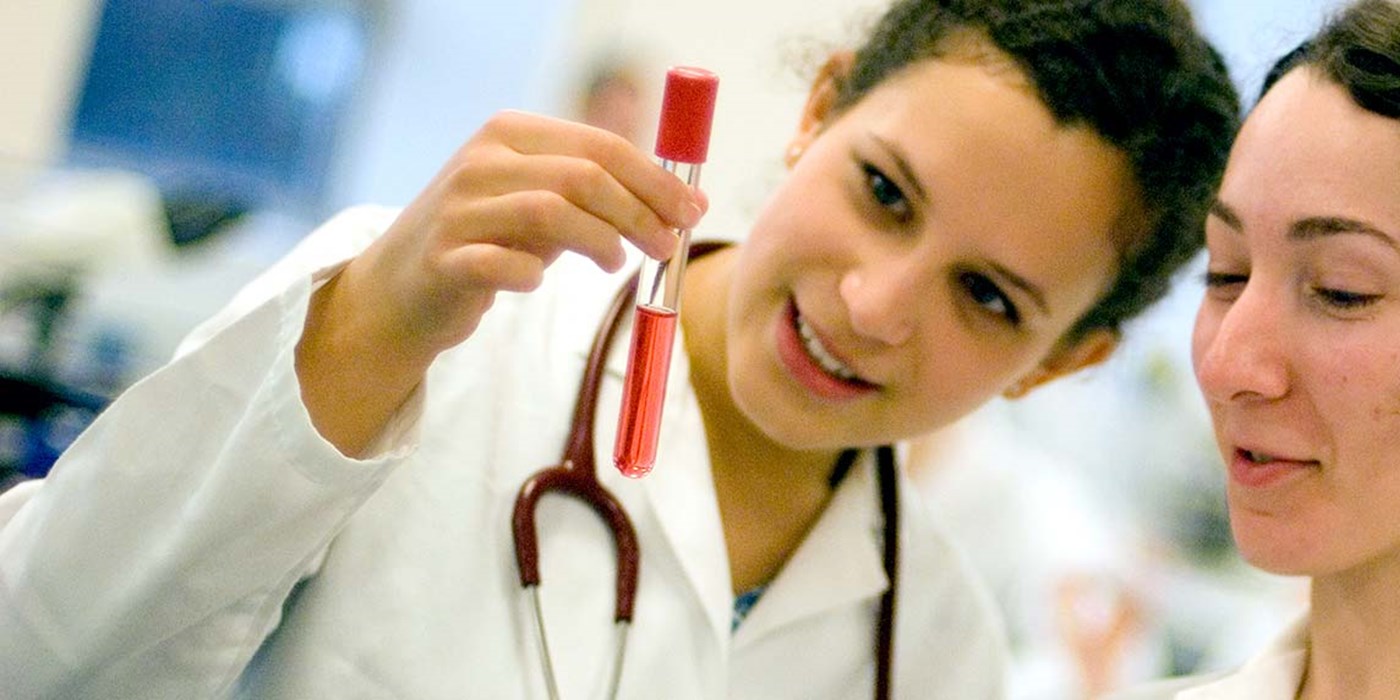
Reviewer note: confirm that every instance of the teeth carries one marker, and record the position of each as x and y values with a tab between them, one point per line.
1258	458
820	354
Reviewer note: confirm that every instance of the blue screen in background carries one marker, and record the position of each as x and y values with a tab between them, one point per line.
235	98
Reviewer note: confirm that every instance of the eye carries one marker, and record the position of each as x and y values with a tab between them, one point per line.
1344	300
1224	285
986	294
886	193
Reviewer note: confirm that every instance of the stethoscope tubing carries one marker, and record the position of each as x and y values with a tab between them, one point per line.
576	476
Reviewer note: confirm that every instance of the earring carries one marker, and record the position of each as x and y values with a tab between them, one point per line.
793	153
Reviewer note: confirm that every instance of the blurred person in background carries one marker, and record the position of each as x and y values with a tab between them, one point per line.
613	97
1059	567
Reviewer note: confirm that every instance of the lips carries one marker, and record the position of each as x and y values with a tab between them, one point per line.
813	364
1259	469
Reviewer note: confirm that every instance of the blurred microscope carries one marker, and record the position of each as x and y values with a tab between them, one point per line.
89	298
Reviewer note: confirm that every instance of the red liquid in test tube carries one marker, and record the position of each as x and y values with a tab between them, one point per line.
682	141
648	362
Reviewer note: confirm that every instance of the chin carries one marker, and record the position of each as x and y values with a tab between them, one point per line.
790	429
1276	547
792	432
1278	563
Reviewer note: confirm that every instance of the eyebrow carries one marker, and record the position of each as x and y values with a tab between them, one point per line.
1313	227
1227	216
1024	285
902	165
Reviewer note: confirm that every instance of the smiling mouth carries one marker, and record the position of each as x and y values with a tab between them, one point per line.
825	362
808	361
823	357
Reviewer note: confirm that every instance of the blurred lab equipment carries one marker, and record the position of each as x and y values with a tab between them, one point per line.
66	237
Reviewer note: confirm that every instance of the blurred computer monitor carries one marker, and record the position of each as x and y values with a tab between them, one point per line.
234	99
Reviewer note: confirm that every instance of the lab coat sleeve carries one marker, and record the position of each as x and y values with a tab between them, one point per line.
155	558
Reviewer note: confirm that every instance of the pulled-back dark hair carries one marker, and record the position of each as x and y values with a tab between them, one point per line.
1134	71
1359	50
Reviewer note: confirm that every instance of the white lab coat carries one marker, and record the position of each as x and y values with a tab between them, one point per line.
201	540
1274	674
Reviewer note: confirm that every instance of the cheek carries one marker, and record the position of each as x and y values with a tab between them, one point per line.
1357	395
765	254
784	232
1355	371
804	194
1386	413
957	373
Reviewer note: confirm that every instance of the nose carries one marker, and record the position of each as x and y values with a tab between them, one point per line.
880	303
1239	348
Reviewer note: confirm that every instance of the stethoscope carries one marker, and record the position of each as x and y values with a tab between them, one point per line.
576	476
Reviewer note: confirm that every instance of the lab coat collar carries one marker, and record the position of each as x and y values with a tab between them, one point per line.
681	483
1275	673
838	563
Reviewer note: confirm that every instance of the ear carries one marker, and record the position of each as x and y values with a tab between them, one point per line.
820	103
1095	347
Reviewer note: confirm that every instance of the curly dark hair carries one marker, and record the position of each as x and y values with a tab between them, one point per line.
1359	49
1136	72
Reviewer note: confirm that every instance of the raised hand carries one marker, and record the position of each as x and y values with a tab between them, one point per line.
523	190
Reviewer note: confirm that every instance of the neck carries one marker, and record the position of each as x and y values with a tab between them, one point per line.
769	494
1354	634
769	499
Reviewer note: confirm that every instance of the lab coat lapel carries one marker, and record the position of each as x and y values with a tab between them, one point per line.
1277	672
679	490
1276	677
838	563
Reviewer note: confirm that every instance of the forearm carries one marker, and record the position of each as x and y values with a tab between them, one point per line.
354	376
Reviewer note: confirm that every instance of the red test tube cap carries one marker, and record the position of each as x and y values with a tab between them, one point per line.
687	110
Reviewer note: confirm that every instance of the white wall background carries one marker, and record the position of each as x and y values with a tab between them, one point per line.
1252	33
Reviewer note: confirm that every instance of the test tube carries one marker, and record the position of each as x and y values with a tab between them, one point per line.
682	141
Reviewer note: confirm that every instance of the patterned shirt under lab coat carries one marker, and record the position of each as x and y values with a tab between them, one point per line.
201	540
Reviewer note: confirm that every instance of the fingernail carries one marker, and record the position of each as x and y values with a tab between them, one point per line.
668	246
690	216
